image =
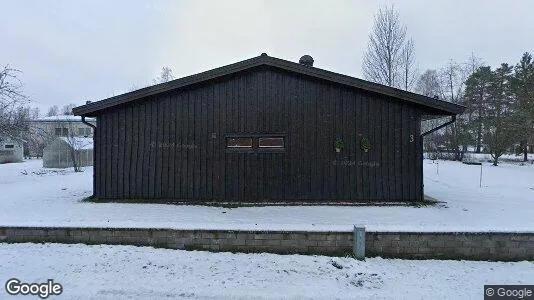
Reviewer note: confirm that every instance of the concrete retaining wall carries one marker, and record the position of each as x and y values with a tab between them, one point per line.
472	246
475	246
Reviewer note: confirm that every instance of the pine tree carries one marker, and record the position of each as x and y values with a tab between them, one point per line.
501	127
477	93
523	89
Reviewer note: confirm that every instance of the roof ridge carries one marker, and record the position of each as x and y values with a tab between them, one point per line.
447	108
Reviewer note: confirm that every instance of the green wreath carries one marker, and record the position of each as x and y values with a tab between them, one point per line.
365	144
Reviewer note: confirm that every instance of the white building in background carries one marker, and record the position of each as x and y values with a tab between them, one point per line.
47	129
58	126
59	139
11	149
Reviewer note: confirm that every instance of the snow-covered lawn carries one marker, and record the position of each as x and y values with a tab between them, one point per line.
30	195
128	272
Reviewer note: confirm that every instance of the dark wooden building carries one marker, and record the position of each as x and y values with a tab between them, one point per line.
263	129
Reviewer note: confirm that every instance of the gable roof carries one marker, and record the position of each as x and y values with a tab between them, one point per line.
437	106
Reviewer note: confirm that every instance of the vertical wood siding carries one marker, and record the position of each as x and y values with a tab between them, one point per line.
172	146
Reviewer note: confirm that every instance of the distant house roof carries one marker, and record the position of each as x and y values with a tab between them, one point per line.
435	106
79	143
62	118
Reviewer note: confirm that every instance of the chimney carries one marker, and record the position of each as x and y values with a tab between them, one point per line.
306	60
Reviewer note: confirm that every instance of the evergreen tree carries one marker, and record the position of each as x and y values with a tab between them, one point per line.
477	93
523	89
501	126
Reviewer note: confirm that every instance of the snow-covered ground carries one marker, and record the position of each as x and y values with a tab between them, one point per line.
483	157
128	272
31	195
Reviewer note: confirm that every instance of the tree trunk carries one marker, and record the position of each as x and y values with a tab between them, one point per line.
479	137
479	125
495	160
458	155
74	162
524	148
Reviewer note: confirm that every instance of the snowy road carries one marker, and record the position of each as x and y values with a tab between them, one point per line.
128	272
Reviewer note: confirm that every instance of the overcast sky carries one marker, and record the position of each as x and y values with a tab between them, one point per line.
72	51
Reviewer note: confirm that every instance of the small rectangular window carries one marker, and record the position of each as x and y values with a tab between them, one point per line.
58	131
65	131
9	146
271	142
239	142
84	131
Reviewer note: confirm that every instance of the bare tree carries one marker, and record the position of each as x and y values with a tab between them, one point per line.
53	111
382	60
35	113
453	85
76	146
472	64
446	84
453	79
409	69
429	84
13	116
67	109
165	76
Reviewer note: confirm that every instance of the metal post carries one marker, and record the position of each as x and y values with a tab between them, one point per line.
359	242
